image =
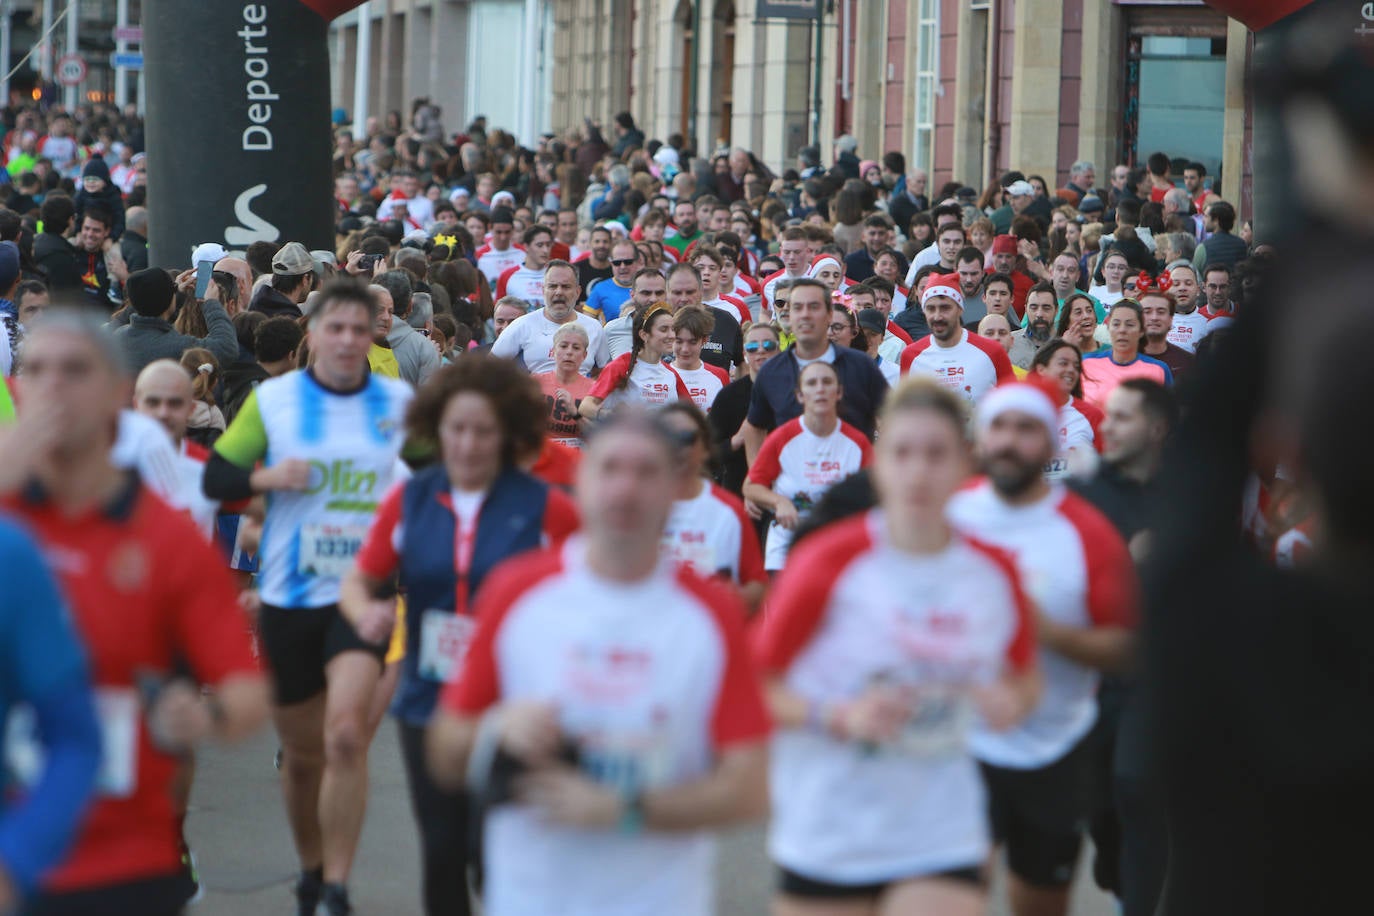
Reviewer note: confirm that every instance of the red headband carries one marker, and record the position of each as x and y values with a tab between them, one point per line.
1161	284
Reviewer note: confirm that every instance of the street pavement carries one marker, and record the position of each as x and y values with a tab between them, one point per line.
239	834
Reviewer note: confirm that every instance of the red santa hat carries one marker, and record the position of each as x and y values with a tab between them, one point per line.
943	285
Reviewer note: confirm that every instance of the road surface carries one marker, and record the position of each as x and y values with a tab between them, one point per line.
240	838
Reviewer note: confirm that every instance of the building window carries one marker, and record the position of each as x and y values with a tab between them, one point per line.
927	70
1176	98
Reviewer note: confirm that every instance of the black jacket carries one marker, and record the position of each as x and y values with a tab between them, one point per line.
273	303
56	257
134	248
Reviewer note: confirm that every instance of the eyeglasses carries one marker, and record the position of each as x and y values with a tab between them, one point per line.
754	346
684	437
622	262
780	303
837	327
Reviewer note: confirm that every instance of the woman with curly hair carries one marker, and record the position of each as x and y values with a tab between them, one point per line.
438	536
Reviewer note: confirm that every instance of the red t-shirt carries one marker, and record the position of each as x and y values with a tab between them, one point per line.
148	593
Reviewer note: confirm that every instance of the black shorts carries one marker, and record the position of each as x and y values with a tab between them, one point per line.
165	895
299	642
795	885
1041	815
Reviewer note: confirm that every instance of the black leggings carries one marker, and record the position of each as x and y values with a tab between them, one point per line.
444	831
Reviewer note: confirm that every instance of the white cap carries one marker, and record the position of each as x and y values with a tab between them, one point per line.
1020	188
1019	396
208	251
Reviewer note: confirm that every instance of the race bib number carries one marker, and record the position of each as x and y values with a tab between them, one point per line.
938	725
328	550
444	638
117	710
627	762
1056	467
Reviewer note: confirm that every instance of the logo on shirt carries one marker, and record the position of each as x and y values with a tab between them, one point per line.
341	479
607	673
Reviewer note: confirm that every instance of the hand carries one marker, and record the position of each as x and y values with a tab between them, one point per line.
250	603
351	265
292	474
114	263
737	441
211	292
875	717
529	731
562	397
785	514
378	621
179	718
1000	706
753	509
186	280
565	796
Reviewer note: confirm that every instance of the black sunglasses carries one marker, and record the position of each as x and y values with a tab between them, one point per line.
623	262
754	346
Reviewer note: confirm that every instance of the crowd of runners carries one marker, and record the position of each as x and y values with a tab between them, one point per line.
649	492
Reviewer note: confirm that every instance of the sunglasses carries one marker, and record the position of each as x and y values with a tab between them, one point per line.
754	346
622	262
684	437
780	303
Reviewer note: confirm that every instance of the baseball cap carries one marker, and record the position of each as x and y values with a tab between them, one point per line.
1020	188
872	320
292	260
208	251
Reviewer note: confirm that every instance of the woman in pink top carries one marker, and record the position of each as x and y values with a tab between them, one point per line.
1102	372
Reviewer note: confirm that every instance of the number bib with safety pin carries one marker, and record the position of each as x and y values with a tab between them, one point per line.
117	710
328	550
939	725
444	638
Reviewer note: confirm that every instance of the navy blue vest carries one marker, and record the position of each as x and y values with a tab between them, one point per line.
511	521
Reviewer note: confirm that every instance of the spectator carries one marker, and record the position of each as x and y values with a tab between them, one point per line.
149	335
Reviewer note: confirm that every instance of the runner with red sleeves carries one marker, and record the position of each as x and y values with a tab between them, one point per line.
619	685
149	597
886	635
708	529
439	535
803	458
1080	575
962	362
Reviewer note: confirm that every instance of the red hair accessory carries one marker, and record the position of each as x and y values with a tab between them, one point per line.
1161	284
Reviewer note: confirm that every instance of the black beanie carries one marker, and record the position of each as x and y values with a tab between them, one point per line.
150	291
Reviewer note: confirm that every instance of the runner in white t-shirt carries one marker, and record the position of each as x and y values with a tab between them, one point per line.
709	529
500	253
640	376
1060	366
530	337
1189	325
163	394
606	653
323	444
887	634
709	262
1080	576
965	363
526	281
803	458
691	328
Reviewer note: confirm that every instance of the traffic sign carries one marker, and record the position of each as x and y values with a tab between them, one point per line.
71	69
129	61
131	33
